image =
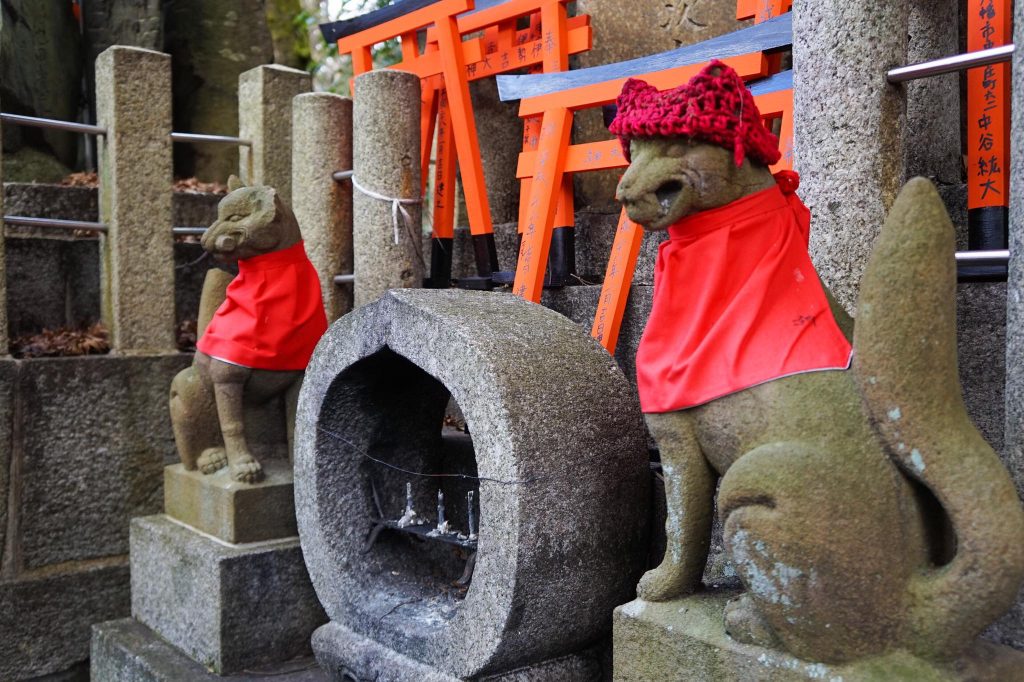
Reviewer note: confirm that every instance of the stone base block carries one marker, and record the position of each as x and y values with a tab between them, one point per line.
229	607
232	511
128	651
685	639
347	655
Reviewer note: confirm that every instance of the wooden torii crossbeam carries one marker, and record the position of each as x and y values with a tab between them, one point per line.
557	96
445	66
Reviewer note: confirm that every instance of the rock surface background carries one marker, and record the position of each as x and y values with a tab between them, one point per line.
211	43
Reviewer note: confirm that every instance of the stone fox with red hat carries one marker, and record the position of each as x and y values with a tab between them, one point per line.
836	447
257	331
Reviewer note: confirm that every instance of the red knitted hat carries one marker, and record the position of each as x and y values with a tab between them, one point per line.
716	108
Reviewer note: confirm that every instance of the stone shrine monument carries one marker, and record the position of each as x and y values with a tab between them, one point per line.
218	581
541	517
874	532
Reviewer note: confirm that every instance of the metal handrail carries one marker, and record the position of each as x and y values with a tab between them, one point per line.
36	122
199	137
959	62
26	221
343	175
995	256
344	279
189	230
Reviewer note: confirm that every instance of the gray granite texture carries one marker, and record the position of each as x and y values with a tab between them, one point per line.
53	279
265	118
932	146
212	44
133	102
625	30
3	265
93	435
386	160
8	405
560	464
47	84
1010	630
229	607
127	651
849	123
499	132
345	655
45	617
322	144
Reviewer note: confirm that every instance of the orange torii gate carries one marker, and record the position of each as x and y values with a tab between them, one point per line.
761	10
556	97
445	66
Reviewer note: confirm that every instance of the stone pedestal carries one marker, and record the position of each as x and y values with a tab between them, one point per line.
229	607
685	639
127	651
231	511
201	603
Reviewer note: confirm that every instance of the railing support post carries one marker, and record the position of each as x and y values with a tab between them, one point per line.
386	160
133	102
322	144
265	117
4	340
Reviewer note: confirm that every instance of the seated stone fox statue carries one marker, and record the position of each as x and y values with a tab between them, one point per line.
862	510
257	331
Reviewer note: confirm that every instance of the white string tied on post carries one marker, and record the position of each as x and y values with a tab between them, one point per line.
398	212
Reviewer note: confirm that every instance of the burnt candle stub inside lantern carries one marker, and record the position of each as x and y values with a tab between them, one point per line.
435	550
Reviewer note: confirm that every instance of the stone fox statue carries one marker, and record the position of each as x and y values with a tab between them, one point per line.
862	510
257	332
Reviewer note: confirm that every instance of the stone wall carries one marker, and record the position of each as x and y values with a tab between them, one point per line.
53	280
83	442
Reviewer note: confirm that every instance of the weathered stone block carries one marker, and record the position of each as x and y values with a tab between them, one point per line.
685	639
229	607
265	118
322	205
345	654
232	511
560	467
45	619
127	651
981	346
133	102
95	431
8	388
386	161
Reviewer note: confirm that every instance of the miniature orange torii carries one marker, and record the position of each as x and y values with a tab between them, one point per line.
762	10
556	97
446	65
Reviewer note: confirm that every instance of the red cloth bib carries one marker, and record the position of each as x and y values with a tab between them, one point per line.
737	303
273	315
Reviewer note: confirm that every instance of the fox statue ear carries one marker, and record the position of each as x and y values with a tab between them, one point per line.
235	183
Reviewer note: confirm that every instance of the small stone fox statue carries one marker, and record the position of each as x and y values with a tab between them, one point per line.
257	331
863	512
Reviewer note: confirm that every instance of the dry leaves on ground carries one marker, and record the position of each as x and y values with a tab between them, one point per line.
50	343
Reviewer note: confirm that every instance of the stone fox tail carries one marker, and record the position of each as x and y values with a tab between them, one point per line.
905	363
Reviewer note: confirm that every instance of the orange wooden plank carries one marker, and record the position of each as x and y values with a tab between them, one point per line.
429	98
406	23
553	38
526	55
491	16
611	305
753	65
544	193
464	127
444	173
989	24
780	105
581	158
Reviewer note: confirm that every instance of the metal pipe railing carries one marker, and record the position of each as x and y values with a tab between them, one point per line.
52	123
189	230
998	256
959	62
25	221
199	137
342	175
344	279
